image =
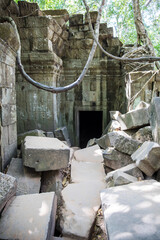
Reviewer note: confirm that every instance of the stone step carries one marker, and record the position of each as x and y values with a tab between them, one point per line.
29	217
28	181
8	186
131	212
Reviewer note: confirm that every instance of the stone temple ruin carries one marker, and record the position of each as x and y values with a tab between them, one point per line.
78	150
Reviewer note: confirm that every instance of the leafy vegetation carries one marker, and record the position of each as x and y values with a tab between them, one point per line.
117	13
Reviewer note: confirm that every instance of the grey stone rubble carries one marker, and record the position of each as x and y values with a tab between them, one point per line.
130	211
8	187
121	178
28	181
30	216
62	134
36	132
44	154
155	119
82	193
147	158
143	134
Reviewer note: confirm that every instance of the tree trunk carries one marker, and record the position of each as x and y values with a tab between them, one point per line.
142	35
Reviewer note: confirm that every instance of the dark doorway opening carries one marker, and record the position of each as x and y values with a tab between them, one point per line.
90	126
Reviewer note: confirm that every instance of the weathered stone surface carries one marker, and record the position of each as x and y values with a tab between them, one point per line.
28	181
91	142
62	134
8	186
143	134
76	19
134	119
141	105
51	181
147	157
93	16
58	12
155	118
31	9
130	211
81	202
49	134
36	132
127	145
90	154
130	169
115	159
86	171
112	126
45	154
8	35
109	139
121	178
30	217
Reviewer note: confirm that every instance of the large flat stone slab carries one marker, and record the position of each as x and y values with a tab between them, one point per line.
90	154
81	203
30	217
44	154
147	158
28	181
8	186
131	212
87	171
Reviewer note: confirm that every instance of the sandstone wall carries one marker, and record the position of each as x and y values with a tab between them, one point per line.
8	134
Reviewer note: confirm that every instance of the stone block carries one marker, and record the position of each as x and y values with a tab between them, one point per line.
77	35
30	216
45	154
58	12
90	154
35	132
155	118
31	9
9	36
51	181
49	134
93	16
112	42
134	119
121	178
62	134
8	186
115	159
86	171
28	181
126	145
147	158
7	153
113	125
41	44
143	134
130	169
61	21
12	133
76	19
81	203
130	211
84	28
109	139
8	95
103	27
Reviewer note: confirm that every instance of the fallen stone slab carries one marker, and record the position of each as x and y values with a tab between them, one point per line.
115	159
147	158
121	178
130	169
131	211
8	187
127	145
110	138
112	126
143	134
87	171
30	217
155	118
90	154
28	181
81	203
141	105
36	132
134	119
44	154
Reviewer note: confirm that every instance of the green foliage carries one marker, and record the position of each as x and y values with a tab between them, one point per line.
118	14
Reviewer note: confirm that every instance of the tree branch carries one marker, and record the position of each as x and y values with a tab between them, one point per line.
43	86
